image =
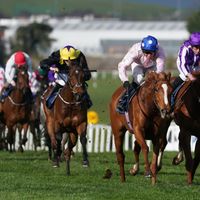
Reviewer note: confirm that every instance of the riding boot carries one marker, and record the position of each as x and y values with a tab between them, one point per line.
6	92
86	97
177	82
124	100
52	96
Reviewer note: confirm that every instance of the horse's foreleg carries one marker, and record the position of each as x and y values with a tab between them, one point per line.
184	139
179	156
156	148
119	138
57	151
135	169
25	130
145	149
196	159
11	137
83	140
72	142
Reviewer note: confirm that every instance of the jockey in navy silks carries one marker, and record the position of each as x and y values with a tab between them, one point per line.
56	66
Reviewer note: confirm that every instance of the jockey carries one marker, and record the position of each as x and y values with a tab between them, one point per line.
2	78
144	56
56	62
188	59
35	82
17	60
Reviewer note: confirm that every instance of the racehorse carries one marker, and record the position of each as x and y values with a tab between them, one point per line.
147	108
16	108
69	114
186	116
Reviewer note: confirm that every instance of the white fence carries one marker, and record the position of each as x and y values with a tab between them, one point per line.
100	139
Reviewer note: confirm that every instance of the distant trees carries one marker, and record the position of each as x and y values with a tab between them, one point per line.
193	24
32	39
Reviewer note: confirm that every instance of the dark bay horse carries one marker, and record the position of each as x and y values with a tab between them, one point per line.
147	109
69	114
186	116
16	108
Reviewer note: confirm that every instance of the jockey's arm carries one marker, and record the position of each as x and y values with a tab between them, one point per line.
160	60
84	64
10	70
53	59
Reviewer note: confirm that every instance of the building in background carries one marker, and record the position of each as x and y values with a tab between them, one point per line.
100	37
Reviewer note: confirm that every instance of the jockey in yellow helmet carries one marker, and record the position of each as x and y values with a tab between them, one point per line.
56	62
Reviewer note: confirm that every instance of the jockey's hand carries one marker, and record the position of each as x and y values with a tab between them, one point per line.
126	84
13	83
54	69
191	77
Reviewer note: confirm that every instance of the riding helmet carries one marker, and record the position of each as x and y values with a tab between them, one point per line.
149	43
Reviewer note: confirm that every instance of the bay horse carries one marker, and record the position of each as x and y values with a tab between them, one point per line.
186	116
16	108
147	108
69	114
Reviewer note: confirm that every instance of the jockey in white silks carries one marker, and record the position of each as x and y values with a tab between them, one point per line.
35	83
17	60
142	57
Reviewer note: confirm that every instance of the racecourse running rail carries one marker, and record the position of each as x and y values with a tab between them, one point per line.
100	139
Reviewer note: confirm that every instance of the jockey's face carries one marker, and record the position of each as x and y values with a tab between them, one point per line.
149	54
21	66
196	49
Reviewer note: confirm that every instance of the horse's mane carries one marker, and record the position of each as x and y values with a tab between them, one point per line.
196	74
153	76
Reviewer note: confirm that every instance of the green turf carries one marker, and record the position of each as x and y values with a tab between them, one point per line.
31	176
105	84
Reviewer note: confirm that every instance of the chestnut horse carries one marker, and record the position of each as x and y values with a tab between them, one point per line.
186	116
16	108
150	104
69	114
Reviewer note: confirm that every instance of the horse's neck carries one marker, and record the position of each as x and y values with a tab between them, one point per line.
146	91
17	94
67	93
146	98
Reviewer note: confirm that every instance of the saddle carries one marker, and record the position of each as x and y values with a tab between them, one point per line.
125	99
174	94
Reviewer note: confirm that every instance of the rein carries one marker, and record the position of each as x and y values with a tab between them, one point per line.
179	102
67	102
16	104
140	104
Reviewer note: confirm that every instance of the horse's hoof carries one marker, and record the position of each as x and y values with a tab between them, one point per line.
85	163
147	174
177	161
153	181
20	149
158	168
55	165
133	171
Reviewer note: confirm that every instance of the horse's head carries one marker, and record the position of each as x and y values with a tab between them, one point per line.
76	79
22	79
162	90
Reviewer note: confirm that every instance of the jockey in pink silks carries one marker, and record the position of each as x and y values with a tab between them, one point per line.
142	57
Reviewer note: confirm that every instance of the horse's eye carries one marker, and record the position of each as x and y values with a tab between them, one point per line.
155	90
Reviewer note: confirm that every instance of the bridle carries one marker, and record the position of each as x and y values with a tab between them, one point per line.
75	86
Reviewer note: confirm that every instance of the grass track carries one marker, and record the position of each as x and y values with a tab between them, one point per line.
30	176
